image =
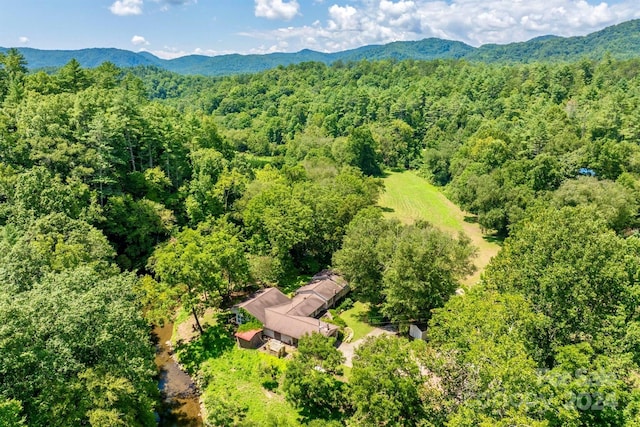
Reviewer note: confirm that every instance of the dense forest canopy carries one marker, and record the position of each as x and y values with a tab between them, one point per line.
131	192
498	137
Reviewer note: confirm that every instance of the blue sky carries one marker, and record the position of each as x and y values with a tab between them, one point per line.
170	28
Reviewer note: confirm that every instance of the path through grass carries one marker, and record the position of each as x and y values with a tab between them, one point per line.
409	197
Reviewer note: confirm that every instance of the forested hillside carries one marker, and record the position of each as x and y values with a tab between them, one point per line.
127	195
620	41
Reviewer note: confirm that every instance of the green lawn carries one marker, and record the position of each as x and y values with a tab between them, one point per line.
355	318
409	197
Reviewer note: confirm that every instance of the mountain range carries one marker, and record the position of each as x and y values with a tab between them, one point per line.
620	41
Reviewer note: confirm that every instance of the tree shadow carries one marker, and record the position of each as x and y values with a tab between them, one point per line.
171	416
387	172
386	209
372	316
471	219
214	341
292	283
494	237
498	239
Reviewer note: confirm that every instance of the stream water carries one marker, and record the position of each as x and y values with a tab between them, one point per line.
179	393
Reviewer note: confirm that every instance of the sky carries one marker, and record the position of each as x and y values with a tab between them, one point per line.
172	28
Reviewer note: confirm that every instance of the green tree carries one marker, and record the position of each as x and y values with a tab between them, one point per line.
224	412
52	243
423	267
407	270
36	193
134	227
397	144
484	353
575	271
358	150
13	69
203	200
225	246
10	413
310	381
586	389
202	266
67	324
278	221
159	299
386	386
615	203
358	259
71	77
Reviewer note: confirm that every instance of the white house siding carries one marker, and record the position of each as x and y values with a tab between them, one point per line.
287	339
268	332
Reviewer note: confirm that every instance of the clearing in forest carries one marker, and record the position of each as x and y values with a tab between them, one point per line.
409	197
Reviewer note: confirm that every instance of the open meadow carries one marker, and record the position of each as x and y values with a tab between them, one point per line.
409	197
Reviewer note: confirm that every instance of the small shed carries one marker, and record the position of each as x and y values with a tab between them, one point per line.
249	339
418	332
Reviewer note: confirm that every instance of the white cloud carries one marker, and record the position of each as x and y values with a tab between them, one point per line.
167	3
343	18
276	9
139	41
177	2
475	22
23	40
126	7
211	52
396	9
168	52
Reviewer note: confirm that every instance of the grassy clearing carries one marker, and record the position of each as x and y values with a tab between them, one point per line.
237	381
409	197
243	378
356	318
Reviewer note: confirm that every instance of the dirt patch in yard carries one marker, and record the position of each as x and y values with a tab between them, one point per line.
348	348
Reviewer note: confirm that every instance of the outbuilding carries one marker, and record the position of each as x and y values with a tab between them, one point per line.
249	339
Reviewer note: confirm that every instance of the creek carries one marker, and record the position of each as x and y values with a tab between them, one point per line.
181	406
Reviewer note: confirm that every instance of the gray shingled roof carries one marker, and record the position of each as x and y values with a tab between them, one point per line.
266	298
325	284
291	316
296	326
301	305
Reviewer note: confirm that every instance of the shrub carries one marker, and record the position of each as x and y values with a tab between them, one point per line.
270	374
337	320
345	305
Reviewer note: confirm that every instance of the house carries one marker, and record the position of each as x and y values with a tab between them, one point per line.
289	319
327	286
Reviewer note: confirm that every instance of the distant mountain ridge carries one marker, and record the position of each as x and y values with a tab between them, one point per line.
621	41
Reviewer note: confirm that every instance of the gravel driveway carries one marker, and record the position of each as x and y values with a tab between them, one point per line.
348	348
